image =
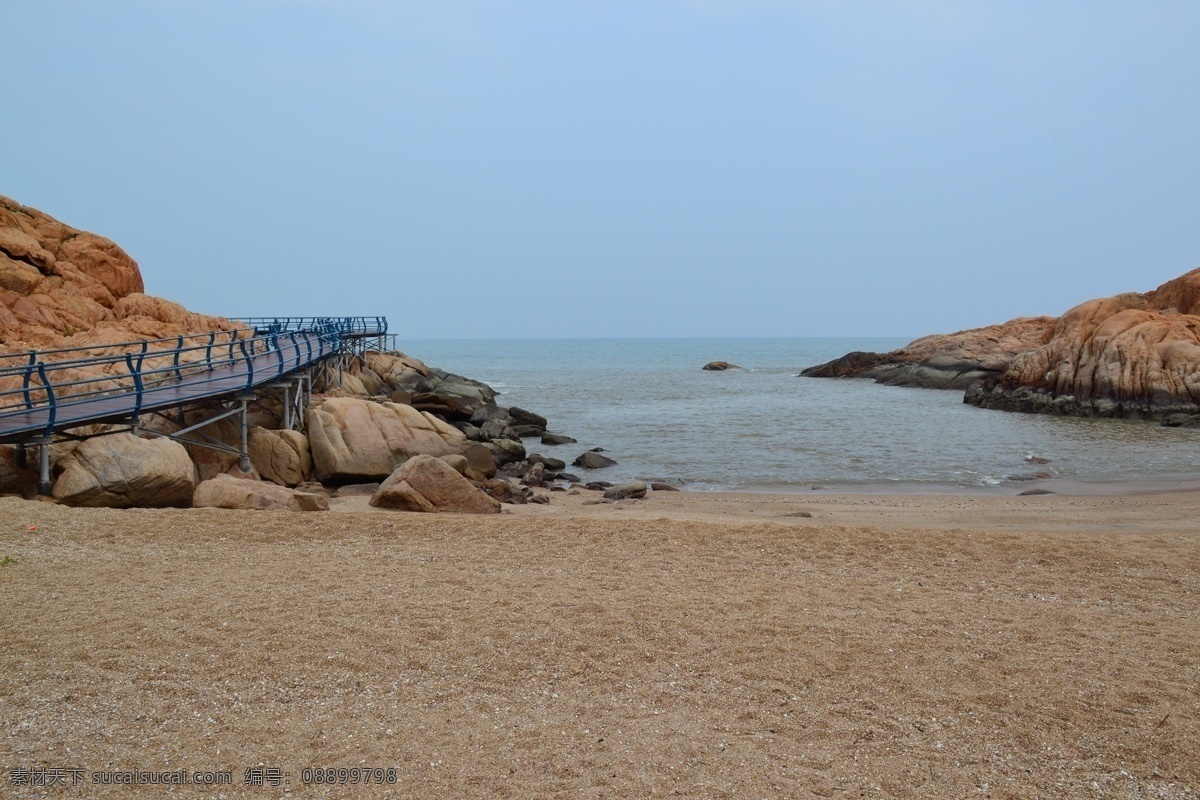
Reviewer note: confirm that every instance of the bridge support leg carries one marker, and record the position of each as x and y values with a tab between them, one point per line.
287	406
44	482
244	464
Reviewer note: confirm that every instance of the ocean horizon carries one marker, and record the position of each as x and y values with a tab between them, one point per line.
649	404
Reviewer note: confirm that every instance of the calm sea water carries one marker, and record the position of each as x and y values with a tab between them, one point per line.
651	407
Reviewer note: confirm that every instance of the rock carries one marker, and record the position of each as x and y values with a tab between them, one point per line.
556	439
226	491
17	276
593	460
358	489
125	471
506	451
14	478
595	502
496	429
632	490
522	417
542	499
447	406
526	431
488	412
425	483
719	366
550	463
470	431
1028	476
505	491
566	476
598	486
535	475
458	463
353	438
387	373
1181	421
401	396
944	361
1032	492
663	487
281	457
1037	460
480	460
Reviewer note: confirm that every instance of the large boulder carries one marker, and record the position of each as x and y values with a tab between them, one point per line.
281	457
124	471
352	439
226	491
425	483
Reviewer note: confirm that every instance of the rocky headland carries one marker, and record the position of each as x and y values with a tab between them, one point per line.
1135	355
376	428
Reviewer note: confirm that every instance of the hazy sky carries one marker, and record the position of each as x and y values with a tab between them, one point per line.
651	168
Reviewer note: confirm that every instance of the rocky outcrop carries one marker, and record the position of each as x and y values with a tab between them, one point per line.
124	471
63	287
1132	355
944	361
226	491
719	366
354	439
425	483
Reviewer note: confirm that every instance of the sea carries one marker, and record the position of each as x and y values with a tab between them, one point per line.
649	404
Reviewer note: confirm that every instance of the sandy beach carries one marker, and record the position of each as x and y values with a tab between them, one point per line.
694	645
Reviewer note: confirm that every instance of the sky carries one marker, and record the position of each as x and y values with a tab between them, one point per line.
660	168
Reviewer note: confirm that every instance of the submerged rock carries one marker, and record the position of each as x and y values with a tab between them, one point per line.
593	460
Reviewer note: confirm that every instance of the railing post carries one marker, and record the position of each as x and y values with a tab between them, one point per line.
41	368
178	348
212	337
136	372
249	365
279	351
28	376
296	347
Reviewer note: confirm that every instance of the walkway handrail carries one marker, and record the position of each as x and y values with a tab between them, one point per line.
351	327
43	389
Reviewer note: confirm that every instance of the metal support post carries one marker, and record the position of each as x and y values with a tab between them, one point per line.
287	406
44	482
244	464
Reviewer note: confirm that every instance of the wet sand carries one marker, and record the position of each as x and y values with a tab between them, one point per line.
696	645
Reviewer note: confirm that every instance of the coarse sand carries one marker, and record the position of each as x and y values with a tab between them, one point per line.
687	645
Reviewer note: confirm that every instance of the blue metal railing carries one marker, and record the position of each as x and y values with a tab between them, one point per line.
49	390
351	327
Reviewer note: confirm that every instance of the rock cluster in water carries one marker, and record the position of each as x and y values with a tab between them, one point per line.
1133	355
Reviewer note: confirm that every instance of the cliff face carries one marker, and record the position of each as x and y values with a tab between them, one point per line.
1133	355
62	287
